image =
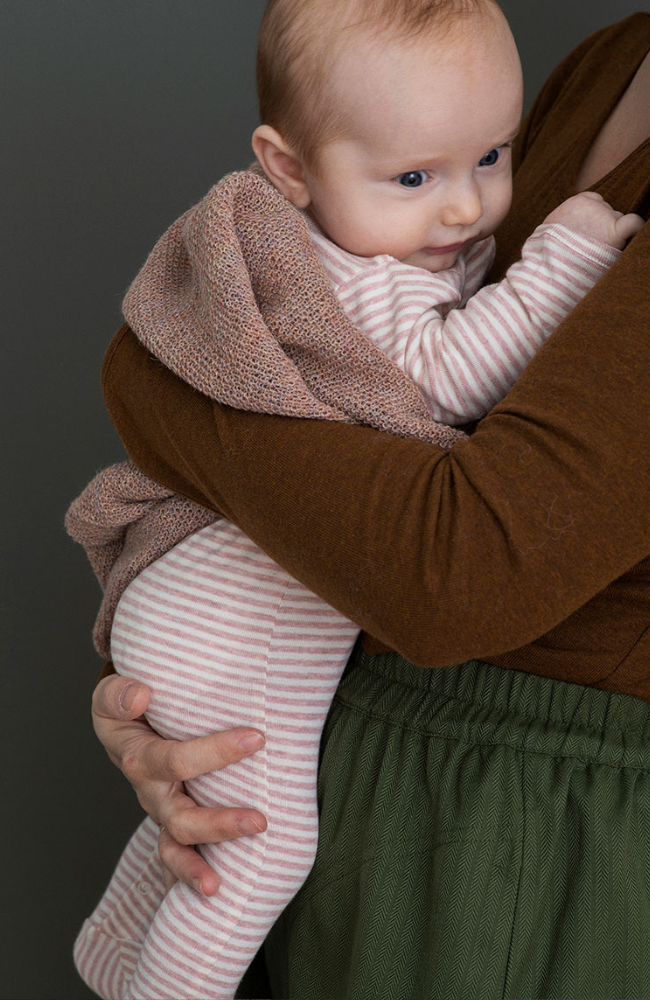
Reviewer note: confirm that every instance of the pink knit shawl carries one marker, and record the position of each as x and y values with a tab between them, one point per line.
234	300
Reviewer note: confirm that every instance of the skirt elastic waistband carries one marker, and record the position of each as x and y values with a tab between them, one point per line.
484	703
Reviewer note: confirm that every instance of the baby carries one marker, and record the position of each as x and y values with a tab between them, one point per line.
390	126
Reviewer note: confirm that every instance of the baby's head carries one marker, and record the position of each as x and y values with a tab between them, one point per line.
391	121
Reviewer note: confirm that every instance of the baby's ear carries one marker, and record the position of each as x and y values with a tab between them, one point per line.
281	165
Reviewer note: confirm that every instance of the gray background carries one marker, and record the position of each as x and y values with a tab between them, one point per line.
116	116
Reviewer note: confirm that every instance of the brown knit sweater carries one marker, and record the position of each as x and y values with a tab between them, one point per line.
527	545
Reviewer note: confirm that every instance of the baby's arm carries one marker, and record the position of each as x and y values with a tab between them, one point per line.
588	213
464	361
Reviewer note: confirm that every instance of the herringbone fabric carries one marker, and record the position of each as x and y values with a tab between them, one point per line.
483	836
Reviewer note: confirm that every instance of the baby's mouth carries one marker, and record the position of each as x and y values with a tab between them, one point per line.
451	248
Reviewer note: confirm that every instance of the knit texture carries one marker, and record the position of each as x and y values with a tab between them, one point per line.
234	299
125	521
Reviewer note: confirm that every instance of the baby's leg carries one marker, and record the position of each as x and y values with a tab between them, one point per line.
226	638
108	946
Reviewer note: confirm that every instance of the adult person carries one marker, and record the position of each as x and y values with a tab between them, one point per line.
484	827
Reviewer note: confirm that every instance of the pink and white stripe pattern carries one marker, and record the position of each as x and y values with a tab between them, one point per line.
224	637
465	348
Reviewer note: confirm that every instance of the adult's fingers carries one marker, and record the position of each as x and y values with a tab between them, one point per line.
118	704
158	759
157	768
185	864
120	698
169	878
190	824
117	708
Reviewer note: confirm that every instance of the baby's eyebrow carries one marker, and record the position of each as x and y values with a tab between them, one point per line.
415	162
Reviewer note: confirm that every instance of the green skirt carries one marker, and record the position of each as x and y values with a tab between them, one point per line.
484	833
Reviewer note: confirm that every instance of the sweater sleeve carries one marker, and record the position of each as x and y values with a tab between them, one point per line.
443	556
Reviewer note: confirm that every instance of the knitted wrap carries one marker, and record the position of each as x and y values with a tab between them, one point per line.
233	299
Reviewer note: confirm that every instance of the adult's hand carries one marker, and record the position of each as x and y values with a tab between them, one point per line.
157	769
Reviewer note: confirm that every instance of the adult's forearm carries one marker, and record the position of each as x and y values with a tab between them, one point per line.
443	556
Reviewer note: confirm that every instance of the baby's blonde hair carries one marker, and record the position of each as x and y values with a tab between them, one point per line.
298	44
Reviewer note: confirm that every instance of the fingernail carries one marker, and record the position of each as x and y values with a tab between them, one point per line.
252	742
248	826
127	696
198	885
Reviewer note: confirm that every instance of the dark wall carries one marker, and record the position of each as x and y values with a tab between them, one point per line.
116	116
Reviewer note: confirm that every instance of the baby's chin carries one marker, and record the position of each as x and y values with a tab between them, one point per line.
430	261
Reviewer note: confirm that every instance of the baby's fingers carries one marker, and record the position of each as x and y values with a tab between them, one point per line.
628	225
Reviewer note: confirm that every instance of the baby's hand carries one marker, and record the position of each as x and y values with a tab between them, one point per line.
589	213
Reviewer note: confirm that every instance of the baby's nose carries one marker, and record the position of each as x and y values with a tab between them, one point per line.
463	206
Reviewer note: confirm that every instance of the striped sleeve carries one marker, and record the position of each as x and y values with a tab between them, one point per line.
464	351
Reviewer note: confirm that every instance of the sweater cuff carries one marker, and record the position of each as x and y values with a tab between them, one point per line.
588	247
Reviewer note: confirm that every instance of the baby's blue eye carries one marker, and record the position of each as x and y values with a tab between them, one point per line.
412	179
490	158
